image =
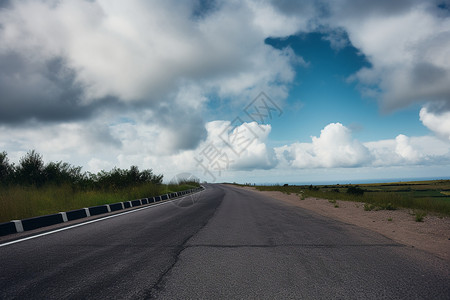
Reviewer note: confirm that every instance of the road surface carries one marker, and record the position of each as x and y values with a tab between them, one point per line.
223	243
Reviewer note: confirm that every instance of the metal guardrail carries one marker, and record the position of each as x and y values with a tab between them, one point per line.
16	226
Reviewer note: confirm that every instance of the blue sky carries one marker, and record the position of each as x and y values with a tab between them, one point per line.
322	93
362	87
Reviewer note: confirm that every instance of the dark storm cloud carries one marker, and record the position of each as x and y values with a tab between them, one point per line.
426	73
44	91
186	126
4	3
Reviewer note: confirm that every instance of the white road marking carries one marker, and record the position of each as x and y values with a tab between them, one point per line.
86	223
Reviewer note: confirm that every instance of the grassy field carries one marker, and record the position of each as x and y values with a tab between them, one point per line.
18	202
427	196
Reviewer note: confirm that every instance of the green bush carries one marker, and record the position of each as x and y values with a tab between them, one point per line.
355	190
369	206
32	171
419	215
388	206
32	188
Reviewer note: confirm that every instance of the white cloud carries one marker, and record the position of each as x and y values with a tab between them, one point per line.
144	69
70	61
274	23
141	51
403	150
333	148
407	45
243	146
140	145
438	122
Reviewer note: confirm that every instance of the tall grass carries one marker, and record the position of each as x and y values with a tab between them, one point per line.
20	202
33	188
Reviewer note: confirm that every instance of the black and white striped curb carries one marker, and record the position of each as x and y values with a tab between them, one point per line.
16	226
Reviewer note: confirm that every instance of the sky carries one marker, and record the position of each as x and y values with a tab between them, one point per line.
230	91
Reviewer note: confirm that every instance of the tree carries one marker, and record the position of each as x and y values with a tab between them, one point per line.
6	169
30	169
61	172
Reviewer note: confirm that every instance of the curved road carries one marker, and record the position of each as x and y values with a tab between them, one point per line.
224	242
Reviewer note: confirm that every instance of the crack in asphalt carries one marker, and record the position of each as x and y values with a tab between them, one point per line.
294	245
159	285
183	246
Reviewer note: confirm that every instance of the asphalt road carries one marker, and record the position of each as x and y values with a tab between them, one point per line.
224	242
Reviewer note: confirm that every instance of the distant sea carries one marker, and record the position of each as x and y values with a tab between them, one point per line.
358	181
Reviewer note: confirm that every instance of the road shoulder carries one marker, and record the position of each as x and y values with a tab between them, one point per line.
432	235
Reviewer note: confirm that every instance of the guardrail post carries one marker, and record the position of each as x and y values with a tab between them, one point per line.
64	216
88	214
18	224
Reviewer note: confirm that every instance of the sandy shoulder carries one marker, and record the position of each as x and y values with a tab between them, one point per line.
432	235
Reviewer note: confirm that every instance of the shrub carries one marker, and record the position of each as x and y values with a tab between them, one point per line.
388	206
355	190
60	173
419	215
31	171
369	206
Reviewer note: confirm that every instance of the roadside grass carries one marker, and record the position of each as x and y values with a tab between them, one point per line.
419	215
19	202
426	196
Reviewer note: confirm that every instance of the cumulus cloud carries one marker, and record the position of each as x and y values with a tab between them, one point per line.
243	146
407	43
72	60
335	147
404	150
142	50
438	122
108	82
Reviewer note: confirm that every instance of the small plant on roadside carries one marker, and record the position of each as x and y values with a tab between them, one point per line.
389	219
388	206
332	201
336	205
419	215
301	195
369	206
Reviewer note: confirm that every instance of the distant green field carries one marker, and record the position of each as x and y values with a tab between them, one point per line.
430	196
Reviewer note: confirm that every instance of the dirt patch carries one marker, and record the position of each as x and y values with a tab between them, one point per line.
431	235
